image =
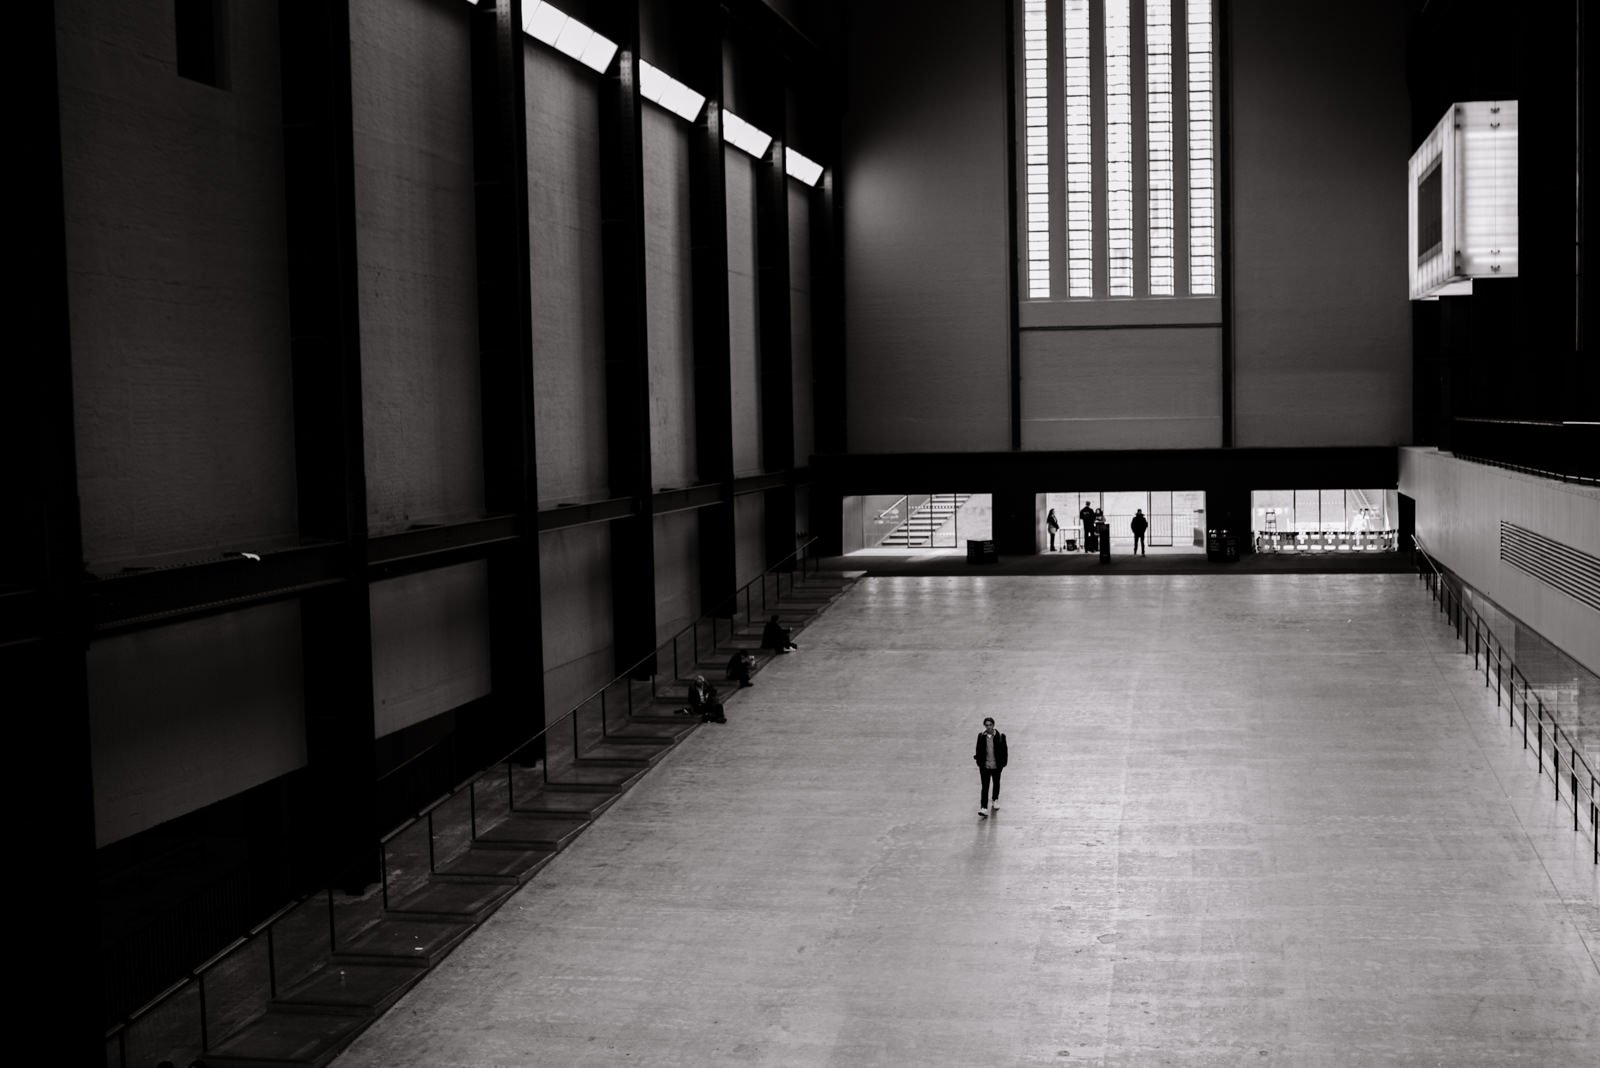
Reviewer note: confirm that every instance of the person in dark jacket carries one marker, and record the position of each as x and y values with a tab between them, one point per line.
703	702
1053	525
1086	515
990	756
775	636
1139	525
739	665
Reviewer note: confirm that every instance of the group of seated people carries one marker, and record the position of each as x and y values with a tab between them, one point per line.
703	700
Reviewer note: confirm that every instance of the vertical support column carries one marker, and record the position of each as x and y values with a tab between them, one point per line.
774	302
1014	217
336	623
627	347
829	401
43	559
1583	371
505	315
700	41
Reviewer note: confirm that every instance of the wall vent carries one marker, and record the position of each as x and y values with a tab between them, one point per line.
1573	572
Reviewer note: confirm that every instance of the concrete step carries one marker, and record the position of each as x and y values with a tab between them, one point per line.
348	989
531	831
453	900
402	940
279	1038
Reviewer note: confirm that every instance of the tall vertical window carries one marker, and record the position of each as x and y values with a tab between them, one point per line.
1036	116
1119	151
1202	169
1077	57
1158	89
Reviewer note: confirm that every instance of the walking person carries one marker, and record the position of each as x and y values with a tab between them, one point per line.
1086	515
1139	525
1053	525
990	756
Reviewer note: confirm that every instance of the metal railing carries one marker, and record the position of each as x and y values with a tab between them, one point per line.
244	977
1540	731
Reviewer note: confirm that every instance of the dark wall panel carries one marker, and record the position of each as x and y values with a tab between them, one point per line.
668	294
430	644
178	283
568	309
744	314
575	586
925	228
677	554
192	713
749	536
800	321
1321	135
411	90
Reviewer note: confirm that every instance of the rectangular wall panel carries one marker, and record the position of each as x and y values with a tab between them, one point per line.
411	88
927	322
800	322
1122	389
177	277
1460	508
677	572
568	299
1321	132
669	319
744	314
575	588
749	536
430	644
188	714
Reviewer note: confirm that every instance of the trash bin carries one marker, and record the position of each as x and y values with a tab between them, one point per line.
981	551
1102	534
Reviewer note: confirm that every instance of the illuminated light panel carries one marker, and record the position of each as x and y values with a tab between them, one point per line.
546	23
742	135
659	87
1202	173
1036	116
801	168
1462	200
1077	79
1158	94
1119	150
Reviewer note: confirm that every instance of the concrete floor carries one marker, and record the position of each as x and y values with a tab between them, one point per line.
1249	819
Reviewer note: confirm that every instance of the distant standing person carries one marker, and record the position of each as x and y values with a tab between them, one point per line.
1086	514
775	636
991	758
1053	525
1139	525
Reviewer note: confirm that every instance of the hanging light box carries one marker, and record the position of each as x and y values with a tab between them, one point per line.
1462	198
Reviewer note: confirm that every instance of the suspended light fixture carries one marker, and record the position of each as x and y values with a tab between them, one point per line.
544	22
1462	200
659	87
742	135
800	168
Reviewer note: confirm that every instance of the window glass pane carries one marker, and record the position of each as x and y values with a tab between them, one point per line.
1202	175
1080	164
1119	150
1036	119
1158	82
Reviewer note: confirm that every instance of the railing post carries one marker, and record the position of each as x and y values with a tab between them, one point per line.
674	669
1555	763
605	731
205	1031
1524	720
272	963
472	803
383	874
1538	738
431	866
511	789
1498	679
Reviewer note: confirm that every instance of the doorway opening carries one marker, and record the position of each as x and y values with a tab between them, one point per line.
888	523
1176	519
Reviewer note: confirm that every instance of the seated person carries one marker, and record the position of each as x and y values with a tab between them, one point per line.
703	701
739	666
776	637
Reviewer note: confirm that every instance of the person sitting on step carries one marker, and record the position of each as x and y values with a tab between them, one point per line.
776	636
739	665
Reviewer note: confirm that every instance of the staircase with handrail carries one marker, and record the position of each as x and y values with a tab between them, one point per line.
927	520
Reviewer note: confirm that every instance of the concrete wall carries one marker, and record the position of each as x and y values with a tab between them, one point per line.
744	314
924	206
1321	133
575	594
568	311
1459	509
669	312
749	536
416	249
1157	388
186	715
800	322
677	572
177	275
430	644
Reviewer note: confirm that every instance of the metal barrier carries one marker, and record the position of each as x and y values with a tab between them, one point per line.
1538	725
288	945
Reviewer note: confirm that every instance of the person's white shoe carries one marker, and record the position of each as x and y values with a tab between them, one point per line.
994	806
983	812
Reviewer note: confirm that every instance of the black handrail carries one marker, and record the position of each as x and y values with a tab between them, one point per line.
1478	639
197	976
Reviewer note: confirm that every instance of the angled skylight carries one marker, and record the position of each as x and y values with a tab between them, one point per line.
544	22
741	134
659	87
801	168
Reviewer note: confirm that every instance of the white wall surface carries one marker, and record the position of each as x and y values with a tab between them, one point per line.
569	374
669	294
189	714
1459	509
177	277
411	89
744	313
430	644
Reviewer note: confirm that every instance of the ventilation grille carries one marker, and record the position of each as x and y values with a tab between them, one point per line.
1574	573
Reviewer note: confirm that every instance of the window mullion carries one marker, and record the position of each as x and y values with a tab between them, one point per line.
1097	97
1138	95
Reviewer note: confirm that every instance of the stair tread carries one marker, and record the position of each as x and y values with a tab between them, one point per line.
524	827
465	899
284	1037
352	986
404	939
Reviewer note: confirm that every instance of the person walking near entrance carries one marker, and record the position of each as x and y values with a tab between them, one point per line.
1053	526
1139	526
990	756
1086	515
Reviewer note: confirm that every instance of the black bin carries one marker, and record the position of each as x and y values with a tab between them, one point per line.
981	551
